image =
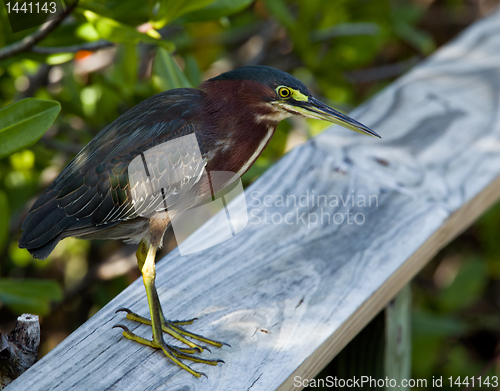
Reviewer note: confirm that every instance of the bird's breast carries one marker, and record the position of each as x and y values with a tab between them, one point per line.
236	152
257	151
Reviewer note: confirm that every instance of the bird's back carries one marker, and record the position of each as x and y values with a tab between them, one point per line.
93	192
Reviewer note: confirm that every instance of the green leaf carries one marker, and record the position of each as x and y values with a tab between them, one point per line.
24	122
96	7
420	40
192	70
216	10
59	58
467	287
166	73
30	295
428	324
115	31
280	11
4	220
164	11
125	70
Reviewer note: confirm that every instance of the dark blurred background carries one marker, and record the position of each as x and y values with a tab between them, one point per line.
344	50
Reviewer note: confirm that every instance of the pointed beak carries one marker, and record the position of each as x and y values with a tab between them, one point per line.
313	108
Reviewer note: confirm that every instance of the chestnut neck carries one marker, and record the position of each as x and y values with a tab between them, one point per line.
241	103
233	112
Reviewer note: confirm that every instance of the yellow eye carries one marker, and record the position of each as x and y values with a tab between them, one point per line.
284	92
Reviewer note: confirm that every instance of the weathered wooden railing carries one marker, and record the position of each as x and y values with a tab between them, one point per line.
288	293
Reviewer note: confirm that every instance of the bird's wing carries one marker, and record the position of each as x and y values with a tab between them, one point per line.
145	160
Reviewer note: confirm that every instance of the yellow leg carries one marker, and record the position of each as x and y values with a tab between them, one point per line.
146	261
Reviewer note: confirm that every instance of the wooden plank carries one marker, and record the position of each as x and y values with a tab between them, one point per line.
361	359
288	297
397	354
382	350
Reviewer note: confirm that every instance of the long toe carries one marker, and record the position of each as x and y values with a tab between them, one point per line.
179	353
182	331
175	354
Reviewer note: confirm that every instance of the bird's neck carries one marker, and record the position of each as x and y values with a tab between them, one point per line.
239	121
239	100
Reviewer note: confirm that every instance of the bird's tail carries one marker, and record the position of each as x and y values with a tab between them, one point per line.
43	226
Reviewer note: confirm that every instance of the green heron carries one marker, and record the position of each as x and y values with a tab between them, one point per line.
233	117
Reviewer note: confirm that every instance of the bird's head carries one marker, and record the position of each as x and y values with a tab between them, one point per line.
281	95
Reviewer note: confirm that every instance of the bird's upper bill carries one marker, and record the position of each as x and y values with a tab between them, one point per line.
295	102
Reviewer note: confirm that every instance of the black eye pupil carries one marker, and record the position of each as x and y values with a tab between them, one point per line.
285	92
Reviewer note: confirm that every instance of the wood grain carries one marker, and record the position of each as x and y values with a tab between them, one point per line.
288	296
398	347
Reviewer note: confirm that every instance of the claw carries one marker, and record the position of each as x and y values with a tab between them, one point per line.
205	348
124	310
120	326
198	349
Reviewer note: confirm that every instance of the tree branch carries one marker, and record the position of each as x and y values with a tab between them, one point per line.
91	46
381	72
18	351
28	42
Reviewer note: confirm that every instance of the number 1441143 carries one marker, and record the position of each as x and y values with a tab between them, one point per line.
474	381
30	7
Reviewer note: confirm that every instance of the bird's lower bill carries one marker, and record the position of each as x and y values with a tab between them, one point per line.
314	108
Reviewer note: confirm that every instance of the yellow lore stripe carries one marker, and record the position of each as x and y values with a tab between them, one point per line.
296	94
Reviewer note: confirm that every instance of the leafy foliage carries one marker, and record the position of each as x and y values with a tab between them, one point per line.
165	11
32	296
117	32
338	48
166	73
24	122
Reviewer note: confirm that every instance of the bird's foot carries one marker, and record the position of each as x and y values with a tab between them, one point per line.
174	328
159	325
174	353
